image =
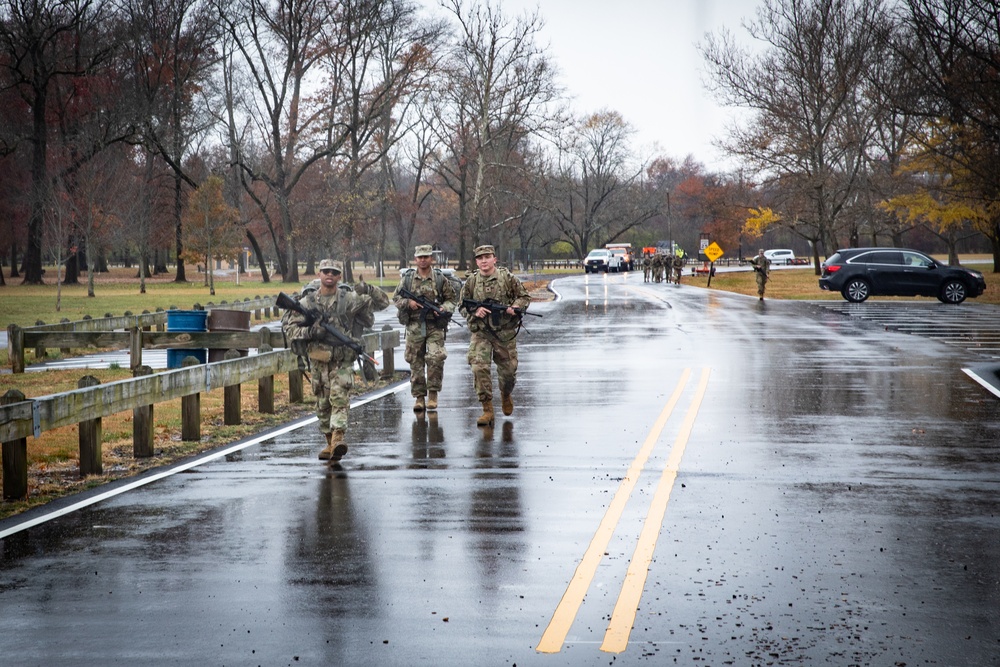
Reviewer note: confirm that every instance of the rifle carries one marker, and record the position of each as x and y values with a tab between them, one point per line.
312	316
427	306
496	309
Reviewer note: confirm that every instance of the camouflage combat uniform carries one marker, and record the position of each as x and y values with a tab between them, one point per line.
762	270
677	264
332	375
425	338
494	343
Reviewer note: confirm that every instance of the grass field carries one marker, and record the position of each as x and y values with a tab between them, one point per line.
803	284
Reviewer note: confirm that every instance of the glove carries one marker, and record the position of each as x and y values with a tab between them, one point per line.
317	332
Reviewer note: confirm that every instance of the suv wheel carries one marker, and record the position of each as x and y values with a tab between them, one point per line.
953	291
856	290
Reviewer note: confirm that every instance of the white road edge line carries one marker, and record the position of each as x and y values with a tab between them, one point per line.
305	421
982	381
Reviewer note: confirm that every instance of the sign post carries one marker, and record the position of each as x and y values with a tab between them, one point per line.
713	251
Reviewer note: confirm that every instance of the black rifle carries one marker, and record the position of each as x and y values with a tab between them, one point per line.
312	316
496	309
427	307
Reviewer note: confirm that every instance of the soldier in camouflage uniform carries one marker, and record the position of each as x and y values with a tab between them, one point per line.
677	265
333	365
489	342
762	271
425	333
647	267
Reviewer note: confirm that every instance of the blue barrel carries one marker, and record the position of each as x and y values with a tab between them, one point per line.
186	320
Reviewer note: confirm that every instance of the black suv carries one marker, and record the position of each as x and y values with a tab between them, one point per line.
858	273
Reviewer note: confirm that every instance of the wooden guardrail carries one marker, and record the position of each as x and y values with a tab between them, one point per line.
260	307
21	417
135	339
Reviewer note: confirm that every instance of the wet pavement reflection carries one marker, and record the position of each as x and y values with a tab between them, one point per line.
835	502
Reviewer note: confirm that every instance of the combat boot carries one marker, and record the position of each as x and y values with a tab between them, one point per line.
338	448
507	404
432	400
486	419
327	451
418	405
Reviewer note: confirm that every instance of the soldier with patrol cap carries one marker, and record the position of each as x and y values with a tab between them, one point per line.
762	271
425	332
333	365
489	341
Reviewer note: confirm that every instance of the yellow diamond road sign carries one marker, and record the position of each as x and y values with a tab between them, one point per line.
713	252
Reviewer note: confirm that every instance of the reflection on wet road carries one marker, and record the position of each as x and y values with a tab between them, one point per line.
800	490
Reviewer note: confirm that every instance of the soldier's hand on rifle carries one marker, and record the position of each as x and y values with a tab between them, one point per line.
414	305
316	331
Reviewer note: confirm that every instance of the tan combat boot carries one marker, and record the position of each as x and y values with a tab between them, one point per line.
432	400
507	404
327	451
418	406
486	418
338	448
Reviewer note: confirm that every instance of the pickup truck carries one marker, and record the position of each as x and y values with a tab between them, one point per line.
601	259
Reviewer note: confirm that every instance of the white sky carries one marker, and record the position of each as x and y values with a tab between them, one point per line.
639	57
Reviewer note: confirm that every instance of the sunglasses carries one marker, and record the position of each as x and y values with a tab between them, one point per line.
328	271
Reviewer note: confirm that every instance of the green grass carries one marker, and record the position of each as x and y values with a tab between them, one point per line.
803	284
118	291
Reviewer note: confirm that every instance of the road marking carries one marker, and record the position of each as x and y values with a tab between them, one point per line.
297	424
623	617
565	613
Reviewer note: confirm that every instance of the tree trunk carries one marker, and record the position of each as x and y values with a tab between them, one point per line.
181	276
259	254
13	260
39	189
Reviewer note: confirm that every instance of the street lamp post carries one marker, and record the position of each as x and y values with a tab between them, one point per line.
670	235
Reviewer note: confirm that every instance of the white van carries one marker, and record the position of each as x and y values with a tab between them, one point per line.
780	256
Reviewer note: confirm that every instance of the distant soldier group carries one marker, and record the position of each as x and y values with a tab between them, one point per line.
659	267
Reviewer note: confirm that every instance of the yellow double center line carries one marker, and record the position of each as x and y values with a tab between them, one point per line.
617	634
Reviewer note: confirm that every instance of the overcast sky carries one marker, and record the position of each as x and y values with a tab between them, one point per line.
639	57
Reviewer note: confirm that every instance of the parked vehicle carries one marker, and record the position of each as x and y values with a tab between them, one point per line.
623	250
858	273
780	256
601	259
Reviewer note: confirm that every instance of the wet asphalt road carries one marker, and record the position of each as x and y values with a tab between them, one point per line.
829	490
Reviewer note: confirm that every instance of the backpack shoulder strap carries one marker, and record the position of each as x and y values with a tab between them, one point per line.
438	283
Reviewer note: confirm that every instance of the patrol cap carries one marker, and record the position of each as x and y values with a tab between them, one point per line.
424	251
485	250
330	264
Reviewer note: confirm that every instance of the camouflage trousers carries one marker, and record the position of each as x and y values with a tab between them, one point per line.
761	281
425	353
484	348
331	385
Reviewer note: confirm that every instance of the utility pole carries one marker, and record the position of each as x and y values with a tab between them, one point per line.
670	234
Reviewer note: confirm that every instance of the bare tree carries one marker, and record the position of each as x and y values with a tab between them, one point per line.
810	124
381	53
594	192
954	58
43	43
496	94
172	49
280	49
